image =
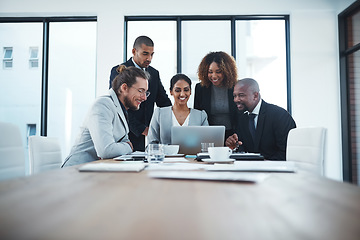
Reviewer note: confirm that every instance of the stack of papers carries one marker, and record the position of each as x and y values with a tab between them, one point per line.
210	176
112	167
168	158
255	166
131	155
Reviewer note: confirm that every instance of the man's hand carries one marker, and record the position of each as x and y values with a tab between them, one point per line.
233	141
132	148
146	131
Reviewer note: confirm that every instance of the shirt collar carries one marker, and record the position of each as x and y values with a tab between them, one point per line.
132	59
116	100
256	109
124	110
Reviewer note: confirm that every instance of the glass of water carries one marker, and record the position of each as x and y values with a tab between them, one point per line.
155	153
205	146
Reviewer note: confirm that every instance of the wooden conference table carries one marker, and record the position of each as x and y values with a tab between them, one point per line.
68	204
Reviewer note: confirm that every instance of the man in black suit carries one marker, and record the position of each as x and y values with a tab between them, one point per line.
269	123
143	51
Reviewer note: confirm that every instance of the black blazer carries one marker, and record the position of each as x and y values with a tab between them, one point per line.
273	126
140	119
202	101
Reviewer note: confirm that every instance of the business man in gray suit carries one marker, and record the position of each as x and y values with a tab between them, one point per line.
104	133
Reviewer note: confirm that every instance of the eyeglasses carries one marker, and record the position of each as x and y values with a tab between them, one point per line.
142	92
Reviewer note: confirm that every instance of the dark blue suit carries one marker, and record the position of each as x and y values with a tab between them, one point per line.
140	119
273	126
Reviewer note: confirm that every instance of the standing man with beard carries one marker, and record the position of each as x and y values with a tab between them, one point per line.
104	133
263	128
139	121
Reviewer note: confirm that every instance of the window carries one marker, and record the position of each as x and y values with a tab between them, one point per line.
31	131
349	42
71	92
164	58
34	58
258	43
52	98
8	57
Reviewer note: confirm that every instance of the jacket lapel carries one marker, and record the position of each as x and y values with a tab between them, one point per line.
260	125
119	110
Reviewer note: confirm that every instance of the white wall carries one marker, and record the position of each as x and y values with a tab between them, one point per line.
314	47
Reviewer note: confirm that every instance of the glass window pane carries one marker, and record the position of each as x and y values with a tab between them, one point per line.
261	54
34	63
163	34
353	30
8	53
72	77
354	107
198	39
33	52
20	87
8	64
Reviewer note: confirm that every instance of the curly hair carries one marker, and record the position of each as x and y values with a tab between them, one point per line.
225	62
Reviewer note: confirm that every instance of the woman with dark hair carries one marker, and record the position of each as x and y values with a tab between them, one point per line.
177	115
217	73
104	133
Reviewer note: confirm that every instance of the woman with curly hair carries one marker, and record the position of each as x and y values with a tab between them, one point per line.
217	73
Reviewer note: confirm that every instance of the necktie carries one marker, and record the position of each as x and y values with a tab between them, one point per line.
252	125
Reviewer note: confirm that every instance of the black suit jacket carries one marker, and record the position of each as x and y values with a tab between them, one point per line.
140	119
202	101
273	126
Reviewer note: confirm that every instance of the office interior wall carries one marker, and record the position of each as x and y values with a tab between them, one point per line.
313	47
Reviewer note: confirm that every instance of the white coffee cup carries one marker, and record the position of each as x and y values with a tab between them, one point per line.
171	149
219	153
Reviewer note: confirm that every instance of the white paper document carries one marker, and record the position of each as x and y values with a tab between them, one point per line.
210	176
255	166
175	166
112	167
168	158
175	159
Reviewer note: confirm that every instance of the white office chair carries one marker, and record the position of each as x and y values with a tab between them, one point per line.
306	147
12	158
44	154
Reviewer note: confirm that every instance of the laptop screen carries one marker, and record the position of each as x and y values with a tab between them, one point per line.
190	137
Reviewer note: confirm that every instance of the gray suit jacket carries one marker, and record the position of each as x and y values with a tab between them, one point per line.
104	133
161	123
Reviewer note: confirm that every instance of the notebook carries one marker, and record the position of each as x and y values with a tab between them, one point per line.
236	156
190	137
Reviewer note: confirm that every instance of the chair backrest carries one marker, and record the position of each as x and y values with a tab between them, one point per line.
306	147
12	158
44	154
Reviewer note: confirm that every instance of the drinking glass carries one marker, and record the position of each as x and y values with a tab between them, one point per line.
155	153
205	146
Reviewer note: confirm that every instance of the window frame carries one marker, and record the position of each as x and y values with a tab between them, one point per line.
33	59
45	55
344	52
8	59
232	18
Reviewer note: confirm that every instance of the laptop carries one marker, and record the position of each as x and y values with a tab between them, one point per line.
190	137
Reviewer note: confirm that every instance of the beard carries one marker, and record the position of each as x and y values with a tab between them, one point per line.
130	105
241	107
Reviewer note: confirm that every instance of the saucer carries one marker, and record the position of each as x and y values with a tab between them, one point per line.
209	160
